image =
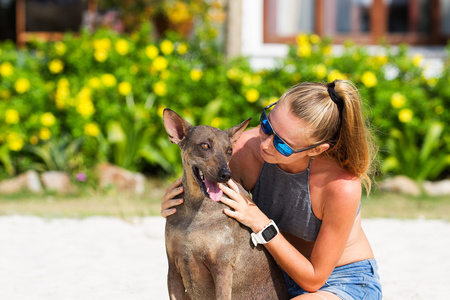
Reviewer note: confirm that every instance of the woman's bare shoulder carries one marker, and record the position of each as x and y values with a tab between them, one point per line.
336	186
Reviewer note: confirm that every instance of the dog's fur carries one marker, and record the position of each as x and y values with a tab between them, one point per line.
211	255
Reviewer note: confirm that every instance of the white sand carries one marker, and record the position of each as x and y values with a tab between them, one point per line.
107	258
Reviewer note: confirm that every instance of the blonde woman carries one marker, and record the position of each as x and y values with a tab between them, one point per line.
305	165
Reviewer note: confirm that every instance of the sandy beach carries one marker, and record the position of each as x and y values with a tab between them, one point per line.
108	258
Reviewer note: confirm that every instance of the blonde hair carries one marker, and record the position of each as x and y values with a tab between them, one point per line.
351	143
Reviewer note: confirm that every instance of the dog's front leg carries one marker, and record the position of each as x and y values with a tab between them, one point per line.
223	279
175	284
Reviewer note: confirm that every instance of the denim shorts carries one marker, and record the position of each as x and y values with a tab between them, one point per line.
359	280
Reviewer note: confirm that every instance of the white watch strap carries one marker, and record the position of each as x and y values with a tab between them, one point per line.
257	238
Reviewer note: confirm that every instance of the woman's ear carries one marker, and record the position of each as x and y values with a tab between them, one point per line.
319	149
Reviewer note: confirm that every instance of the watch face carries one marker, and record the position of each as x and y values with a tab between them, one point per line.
269	233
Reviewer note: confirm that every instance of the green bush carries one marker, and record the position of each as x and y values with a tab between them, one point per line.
107	91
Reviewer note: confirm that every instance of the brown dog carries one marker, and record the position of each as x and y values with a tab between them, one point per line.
211	255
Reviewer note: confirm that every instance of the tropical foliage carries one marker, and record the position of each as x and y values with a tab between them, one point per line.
71	104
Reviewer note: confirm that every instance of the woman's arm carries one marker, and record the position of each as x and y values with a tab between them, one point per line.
339	213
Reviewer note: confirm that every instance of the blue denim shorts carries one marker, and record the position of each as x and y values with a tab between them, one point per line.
359	280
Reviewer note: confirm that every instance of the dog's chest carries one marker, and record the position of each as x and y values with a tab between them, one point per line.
200	239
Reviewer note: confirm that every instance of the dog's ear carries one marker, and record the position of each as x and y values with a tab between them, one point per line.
236	131
176	126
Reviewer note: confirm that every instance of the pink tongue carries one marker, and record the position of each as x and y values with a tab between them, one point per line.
214	192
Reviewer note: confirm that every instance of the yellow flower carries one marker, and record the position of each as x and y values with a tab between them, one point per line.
431	82
14	141
302	39
251	80
60	48
151	51
91	129
304	50
12	116
56	66
160	88
216	122
164	75
166	47
6	69
34	140
48	119
94	82
161	110
321	71
102	44
63	82
182	48
369	79
335	74
122	47
417	60
326	50
159	63
234	74
405	115
196	74
62	93
5	94
45	134
398	100
314	38
271	100
22	85
178	12
101	55
381	59
124	88
85	107
252	95
108	80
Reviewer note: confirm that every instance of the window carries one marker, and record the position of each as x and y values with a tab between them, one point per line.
416	22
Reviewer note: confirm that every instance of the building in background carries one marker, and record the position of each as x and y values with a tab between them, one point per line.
268	25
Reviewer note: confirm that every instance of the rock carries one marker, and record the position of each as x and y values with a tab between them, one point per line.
438	188
57	181
122	179
400	184
26	181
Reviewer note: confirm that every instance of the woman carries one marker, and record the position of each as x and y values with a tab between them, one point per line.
304	166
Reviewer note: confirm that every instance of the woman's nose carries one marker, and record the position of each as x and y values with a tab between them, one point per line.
266	139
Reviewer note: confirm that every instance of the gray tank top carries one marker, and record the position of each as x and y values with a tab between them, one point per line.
284	198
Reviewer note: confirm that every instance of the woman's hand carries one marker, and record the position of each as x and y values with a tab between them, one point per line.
244	209
168	202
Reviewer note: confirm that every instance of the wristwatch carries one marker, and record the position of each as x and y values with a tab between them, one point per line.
266	234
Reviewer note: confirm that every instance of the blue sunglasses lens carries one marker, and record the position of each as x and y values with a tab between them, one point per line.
277	142
265	124
281	146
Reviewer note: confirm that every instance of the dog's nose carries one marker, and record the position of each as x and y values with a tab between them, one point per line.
225	174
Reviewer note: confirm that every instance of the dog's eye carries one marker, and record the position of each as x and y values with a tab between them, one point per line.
205	146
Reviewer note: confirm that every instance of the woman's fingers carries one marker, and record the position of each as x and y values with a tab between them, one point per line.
168	201
231	203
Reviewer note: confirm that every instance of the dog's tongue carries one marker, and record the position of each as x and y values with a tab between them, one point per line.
214	192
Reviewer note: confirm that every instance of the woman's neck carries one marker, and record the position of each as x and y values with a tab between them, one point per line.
297	166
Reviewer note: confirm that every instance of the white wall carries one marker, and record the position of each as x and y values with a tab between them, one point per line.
261	55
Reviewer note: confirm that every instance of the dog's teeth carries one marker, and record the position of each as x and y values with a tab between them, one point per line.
201	175
207	190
